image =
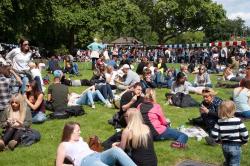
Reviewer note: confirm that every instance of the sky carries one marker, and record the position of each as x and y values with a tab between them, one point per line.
236	8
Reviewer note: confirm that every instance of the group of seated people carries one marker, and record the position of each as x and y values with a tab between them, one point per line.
140	115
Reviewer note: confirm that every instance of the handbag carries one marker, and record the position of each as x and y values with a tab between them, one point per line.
95	143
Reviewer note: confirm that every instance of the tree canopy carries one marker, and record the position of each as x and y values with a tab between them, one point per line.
54	24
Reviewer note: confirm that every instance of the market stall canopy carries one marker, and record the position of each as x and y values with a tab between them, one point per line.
126	41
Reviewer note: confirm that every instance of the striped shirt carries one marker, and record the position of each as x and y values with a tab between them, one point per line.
230	130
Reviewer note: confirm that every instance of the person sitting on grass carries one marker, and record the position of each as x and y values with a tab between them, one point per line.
209	111
15	123
136	138
241	96
69	66
146	81
35	102
202	79
131	78
230	132
88	97
72	146
57	93
230	76
153	116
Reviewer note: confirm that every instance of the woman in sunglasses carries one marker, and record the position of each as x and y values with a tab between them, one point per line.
20	58
202	79
35	102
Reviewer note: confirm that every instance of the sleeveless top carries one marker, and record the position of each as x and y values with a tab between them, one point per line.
144	156
77	150
241	100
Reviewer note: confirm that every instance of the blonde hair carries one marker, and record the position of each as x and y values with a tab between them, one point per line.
226	109
22	107
150	95
139	131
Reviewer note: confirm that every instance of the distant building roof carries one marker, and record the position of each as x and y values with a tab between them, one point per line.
126	41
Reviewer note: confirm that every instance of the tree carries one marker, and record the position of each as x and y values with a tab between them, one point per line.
173	17
226	29
122	18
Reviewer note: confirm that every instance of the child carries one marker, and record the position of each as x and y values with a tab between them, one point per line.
230	132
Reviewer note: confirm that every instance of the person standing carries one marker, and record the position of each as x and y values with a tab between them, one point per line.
20	58
95	49
230	132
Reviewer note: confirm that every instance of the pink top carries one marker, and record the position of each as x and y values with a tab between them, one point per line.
155	116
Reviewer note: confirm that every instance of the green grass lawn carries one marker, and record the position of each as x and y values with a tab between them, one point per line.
94	122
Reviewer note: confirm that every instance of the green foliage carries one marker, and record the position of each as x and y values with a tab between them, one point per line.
225	29
188	37
52	23
173	17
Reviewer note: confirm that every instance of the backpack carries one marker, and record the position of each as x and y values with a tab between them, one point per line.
75	110
65	113
183	100
59	115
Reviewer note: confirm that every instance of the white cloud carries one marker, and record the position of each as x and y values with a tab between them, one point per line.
236	8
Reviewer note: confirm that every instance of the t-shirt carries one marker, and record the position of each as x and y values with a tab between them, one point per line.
126	98
59	95
132	78
19	59
77	150
36	72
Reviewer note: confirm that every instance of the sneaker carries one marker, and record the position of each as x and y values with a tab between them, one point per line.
2	146
93	106
178	145
210	141
12	144
108	104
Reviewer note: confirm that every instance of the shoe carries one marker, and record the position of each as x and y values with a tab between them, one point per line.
210	141
108	104
93	106
178	145
12	144
2	146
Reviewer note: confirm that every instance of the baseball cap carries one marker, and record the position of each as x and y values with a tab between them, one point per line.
57	73
125	66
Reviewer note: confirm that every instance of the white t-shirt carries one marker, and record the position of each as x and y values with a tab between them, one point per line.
36	72
19	59
111	77
77	150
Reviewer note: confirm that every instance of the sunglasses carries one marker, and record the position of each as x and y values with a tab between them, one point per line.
27	85
205	91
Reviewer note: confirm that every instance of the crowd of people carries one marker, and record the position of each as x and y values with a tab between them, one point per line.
115	83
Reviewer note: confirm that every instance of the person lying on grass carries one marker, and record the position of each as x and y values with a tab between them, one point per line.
74	148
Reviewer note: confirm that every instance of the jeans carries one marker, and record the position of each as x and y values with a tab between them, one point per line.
231	154
106	91
244	114
12	134
89	97
75	68
108	157
16	89
25	80
38	117
170	133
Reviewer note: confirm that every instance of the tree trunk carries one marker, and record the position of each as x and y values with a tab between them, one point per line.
71	39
